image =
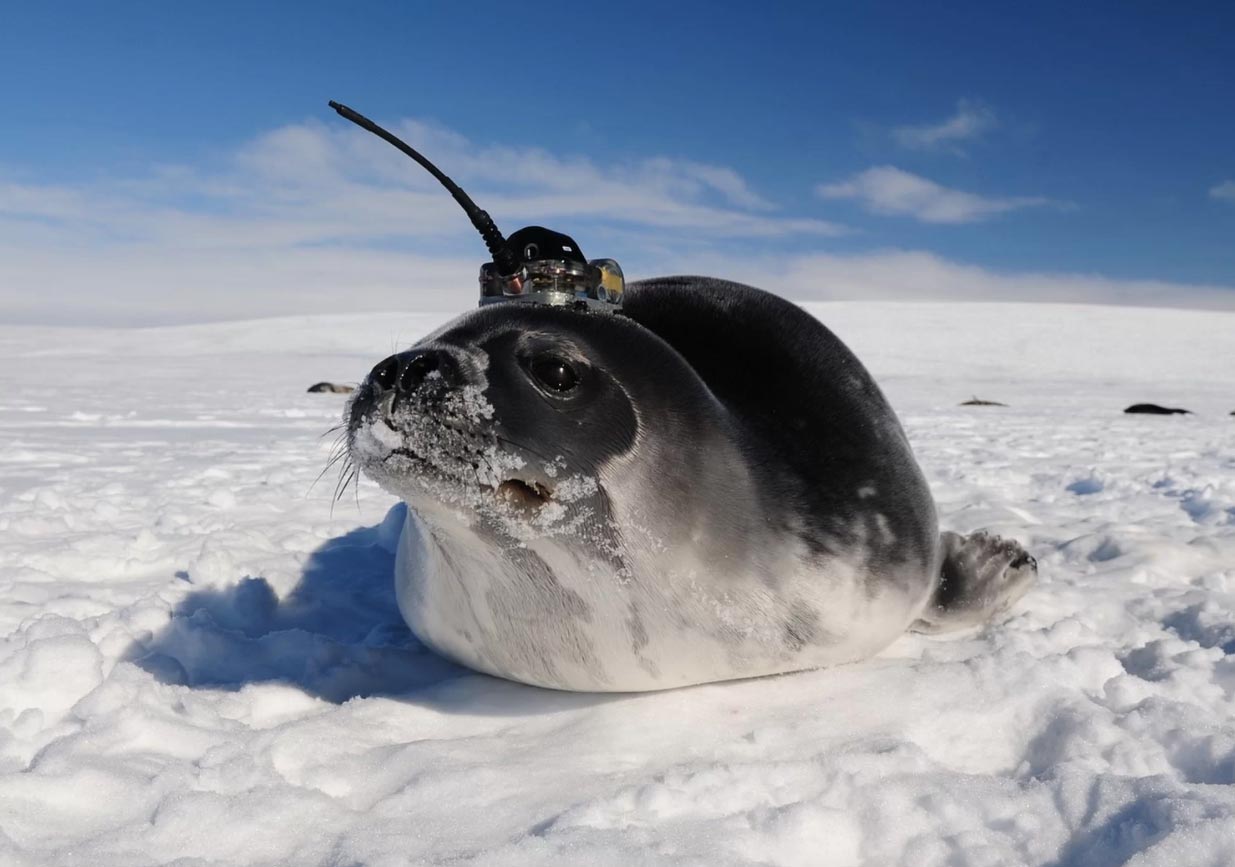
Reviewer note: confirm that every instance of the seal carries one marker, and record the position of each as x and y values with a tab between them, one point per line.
1155	409
330	388
707	486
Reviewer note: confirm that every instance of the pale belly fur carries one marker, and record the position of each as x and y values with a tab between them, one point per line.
667	622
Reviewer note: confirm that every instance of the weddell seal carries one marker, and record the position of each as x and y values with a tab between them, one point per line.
710	486
683	481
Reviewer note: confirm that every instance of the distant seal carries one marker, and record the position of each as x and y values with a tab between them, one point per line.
330	388
1155	409
709	486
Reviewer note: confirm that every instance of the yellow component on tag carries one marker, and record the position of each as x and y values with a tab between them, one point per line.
612	280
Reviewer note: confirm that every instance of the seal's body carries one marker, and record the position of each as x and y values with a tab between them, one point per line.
708	487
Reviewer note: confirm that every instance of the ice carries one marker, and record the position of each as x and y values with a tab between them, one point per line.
202	663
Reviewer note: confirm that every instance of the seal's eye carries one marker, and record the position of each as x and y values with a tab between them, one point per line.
554	373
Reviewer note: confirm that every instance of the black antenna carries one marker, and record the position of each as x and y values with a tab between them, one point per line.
507	263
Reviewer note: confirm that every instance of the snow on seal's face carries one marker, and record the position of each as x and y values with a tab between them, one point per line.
502	429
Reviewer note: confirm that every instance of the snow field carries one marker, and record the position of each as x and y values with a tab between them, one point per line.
202	663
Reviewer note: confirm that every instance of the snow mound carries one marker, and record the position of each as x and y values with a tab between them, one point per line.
201	661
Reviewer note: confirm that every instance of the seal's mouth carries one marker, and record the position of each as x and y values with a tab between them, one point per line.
524	495
453	451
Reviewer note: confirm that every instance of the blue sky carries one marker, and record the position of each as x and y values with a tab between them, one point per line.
170	162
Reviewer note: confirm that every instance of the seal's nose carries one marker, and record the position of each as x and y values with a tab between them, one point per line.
386	373
415	371
406	371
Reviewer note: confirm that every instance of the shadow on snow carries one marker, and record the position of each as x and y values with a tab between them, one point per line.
338	635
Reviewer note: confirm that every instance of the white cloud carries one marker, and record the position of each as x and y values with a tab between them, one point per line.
1224	191
916	275
891	191
314	214
971	121
339	167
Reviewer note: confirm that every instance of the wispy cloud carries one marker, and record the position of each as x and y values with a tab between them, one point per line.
313	184
970	122
1224	192
313	210
891	191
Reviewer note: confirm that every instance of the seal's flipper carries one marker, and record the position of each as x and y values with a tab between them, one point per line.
982	577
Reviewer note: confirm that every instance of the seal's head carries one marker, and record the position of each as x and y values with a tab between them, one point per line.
507	419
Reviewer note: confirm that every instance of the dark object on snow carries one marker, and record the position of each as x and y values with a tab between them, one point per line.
331	388
977	402
1154	409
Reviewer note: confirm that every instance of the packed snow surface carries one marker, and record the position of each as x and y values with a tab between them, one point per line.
201	662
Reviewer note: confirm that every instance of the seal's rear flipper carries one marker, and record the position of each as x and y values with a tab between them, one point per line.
982	577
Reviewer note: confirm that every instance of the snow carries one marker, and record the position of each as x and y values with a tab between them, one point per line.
201	661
